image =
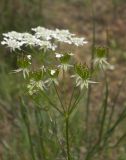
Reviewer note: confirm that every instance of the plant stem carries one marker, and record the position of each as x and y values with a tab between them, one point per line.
115	102
39	124
67	136
51	103
59	97
73	106
92	68
27	125
71	98
105	105
114	2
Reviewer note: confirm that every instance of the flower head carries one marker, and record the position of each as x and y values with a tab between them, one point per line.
35	86
53	76
82	76
64	60
23	64
36	81
100	60
12	44
47	40
58	35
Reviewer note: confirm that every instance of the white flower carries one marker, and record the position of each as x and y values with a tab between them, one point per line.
59	35
58	55
52	72
46	45
78	41
25	71
67	37
53	75
51	80
63	36
82	82
42	38
35	86
15	40
30	40
13	35
43	33
43	69
102	63
29	57
65	66
12	44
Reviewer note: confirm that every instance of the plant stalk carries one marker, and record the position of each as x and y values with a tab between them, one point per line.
67	137
27	125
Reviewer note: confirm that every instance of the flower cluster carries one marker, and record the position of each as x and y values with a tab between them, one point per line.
100	60
58	35
82	76
42	38
40	78
15	40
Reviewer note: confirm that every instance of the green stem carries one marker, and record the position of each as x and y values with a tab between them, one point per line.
97	146
27	125
115	102
71	98
39	124
77	100
67	136
59	97
92	68
105	105
52	104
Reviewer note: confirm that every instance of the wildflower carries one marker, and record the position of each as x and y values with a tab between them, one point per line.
58	55
13	35
46	45
52	72
53	75
43	69
45	39
64	60
42	38
23	64
102	63
78	41
100	60
37	81
58	35
25	71
29	40
12	44
63	36
35	86
29	57
82	76
43	33
15	40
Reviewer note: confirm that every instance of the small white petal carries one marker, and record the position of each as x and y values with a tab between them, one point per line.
53	72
